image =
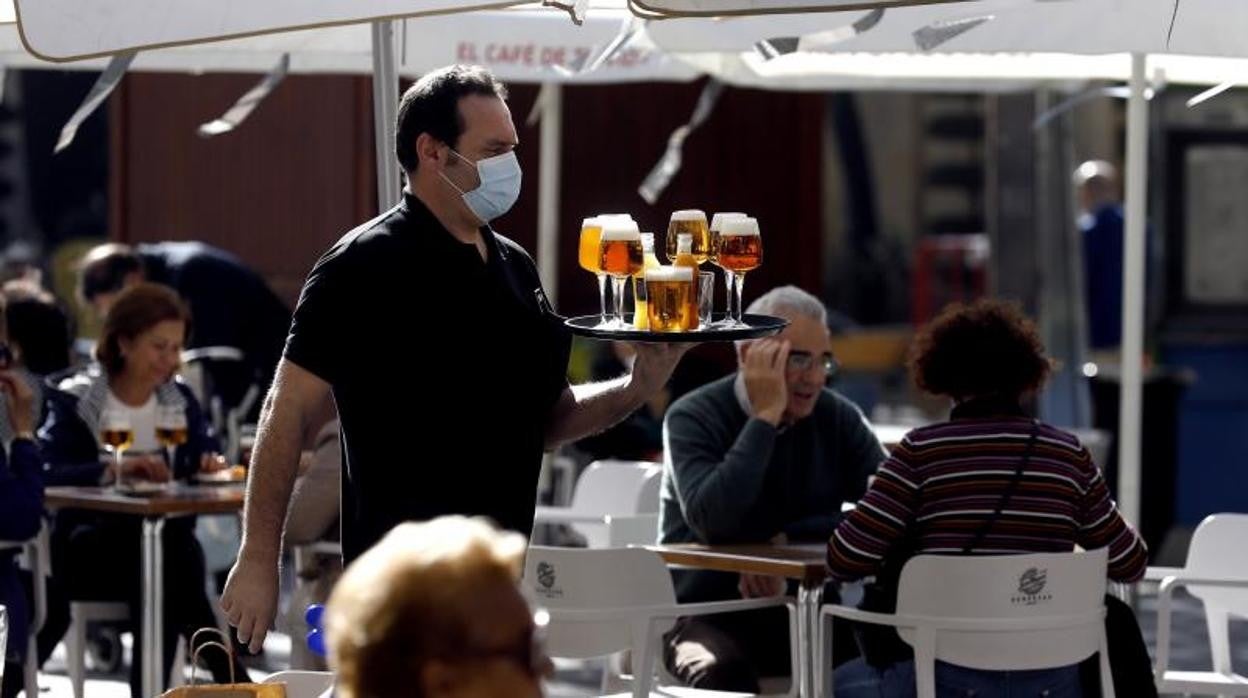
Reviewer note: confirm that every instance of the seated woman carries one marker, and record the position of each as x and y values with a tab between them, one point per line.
96	556
433	611
21	509
940	488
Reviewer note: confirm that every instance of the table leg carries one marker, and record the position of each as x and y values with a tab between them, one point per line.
809	601
153	607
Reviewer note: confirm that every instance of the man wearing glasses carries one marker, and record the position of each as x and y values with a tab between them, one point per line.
767	454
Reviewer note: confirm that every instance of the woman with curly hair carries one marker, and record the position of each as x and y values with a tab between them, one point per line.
942	486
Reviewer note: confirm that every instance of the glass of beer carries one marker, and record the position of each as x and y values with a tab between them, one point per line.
692	222
117	435
170	430
717	224
591	231
740	250
670	296
620	256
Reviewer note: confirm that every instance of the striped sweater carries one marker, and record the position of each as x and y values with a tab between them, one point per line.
943	481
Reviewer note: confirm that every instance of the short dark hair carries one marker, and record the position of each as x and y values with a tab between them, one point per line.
104	269
432	106
986	348
137	310
39	326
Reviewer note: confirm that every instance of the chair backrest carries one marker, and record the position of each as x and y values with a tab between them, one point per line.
618	488
303	684
1217	550
609	579
1018	588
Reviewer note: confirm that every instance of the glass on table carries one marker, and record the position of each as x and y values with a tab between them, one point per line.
117	435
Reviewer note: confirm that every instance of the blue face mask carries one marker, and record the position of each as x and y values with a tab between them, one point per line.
499	188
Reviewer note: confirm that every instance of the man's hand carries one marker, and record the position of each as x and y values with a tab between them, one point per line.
250	598
760	586
765	362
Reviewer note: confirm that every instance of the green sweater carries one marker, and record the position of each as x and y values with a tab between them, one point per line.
730	478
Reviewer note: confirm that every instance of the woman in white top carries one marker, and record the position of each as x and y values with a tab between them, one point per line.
133	385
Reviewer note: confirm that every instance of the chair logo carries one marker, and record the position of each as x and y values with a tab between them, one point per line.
546	581
1031	585
546	574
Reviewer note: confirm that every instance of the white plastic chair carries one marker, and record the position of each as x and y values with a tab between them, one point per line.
303	684
34	559
616	503
1216	572
995	613
603	601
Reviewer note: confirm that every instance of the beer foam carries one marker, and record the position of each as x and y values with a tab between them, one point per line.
739	226
669	274
620	229
690	214
592	220
717	221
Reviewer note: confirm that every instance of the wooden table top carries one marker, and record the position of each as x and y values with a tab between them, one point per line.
794	561
180	499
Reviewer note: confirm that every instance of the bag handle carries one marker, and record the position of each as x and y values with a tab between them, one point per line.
1009	492
224	645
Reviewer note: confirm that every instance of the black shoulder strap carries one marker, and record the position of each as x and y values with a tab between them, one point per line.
1009	491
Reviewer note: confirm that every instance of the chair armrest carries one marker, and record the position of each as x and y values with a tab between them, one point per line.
664	611
1156	574
545	514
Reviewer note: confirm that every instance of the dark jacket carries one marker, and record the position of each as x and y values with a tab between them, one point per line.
21	509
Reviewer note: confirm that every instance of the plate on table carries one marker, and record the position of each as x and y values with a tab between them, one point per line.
143	488
755	326
234	475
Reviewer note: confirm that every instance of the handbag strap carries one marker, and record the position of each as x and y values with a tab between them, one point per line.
223	645
1009	490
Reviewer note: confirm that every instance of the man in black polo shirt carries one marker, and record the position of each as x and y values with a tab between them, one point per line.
445	360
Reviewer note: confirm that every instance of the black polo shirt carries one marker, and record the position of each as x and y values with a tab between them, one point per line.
444	368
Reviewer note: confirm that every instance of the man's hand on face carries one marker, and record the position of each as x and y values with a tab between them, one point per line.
765	362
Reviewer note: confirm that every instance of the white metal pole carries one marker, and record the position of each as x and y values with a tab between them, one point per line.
1130	407
385	107
548	189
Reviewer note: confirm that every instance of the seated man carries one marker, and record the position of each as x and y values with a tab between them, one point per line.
433	611
766	454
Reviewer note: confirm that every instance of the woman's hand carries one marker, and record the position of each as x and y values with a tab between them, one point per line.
21	402
143	467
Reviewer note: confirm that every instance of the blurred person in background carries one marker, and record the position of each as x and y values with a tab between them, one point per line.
96	556
232	305
21	509
768	454
433	611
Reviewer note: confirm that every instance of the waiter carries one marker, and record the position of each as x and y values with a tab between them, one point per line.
435	338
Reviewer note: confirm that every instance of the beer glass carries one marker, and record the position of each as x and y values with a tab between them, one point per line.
170	430
620	256
717	224
117	435
670	294
740	250
706	298
587	254
693	223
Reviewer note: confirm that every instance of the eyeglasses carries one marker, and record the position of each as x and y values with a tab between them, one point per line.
802	361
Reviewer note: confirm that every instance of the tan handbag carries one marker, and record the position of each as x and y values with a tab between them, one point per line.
230	690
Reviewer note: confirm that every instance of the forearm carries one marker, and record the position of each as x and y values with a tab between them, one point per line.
274	464
589	408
